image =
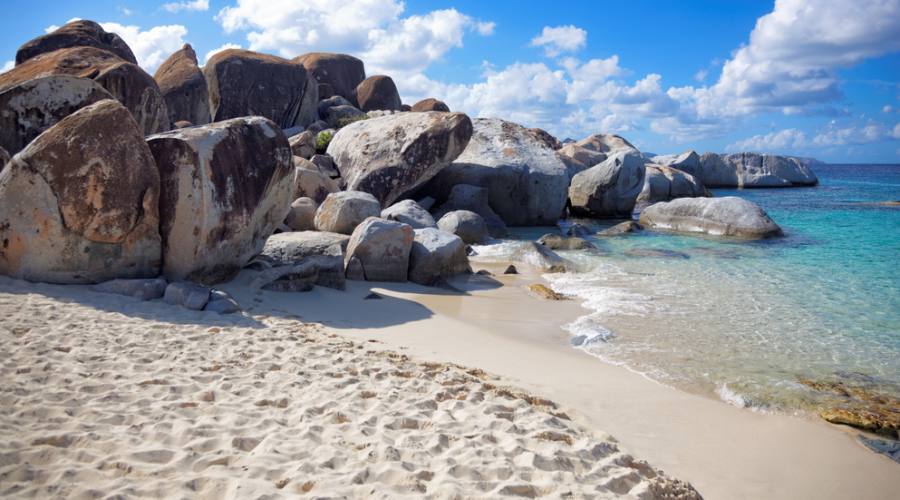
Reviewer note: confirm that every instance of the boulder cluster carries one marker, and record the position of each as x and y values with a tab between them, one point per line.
306	170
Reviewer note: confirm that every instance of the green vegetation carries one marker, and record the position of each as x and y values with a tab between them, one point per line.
347	120
322	141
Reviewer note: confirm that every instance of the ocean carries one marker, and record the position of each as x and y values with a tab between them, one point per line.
747	322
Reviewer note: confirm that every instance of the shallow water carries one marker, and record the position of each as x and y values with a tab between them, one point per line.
746	321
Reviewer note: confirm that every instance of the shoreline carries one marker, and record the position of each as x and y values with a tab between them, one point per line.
686	435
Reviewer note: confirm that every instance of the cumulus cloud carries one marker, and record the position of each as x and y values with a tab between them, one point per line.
786	140
153	46
219	49
835	135
795	140
195	5
559	39
8	65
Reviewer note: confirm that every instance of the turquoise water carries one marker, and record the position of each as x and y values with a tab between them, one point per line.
745	321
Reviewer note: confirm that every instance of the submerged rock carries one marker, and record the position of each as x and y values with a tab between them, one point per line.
729	216
557	242
621	228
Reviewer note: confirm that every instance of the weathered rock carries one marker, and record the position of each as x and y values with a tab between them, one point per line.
182	124
340	72
608	144
436	255
689	162
297	261
184	87
79	33
303	144
882	421
474	199
545	137
89	186
31	107
317	126
466	224
430	104
557	242
621	228
545	292
4	158
222	303
310	182
377	92
577	229
302	216
139	288
526	180
341	212
727	216
609	189
667	183
393	155
749	170
330	102
326	165
243	83
409	212
656	253
578	158
541	257
381	249
341	116
405	108
188	295
125	81
511	269
225	188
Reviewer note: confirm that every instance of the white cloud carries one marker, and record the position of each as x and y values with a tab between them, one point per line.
485	28
701	75
782	141
896	132
125	11
8	65
153	46
219	49
559	39
195	5
835	135
887	109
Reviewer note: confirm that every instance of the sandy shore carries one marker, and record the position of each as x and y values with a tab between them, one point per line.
103	396
725	452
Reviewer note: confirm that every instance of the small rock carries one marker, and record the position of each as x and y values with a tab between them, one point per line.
144	289
187	295
222	303
466	224
557	242
545	292
341	212
373	296
621	228
302	215
511	269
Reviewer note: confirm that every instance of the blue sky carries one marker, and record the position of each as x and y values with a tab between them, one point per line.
807	77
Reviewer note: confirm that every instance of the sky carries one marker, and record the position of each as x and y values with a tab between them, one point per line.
816	78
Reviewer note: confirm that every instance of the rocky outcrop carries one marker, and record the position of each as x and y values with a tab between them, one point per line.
667	183
609	189
392	155
311	182
547	138
302	215
467	225
409	212
243	83
750	170
727	216
31	107
475	199
688	162
377	93
80	203
125	81
578	158
225	188
430	104
184	87
340	73
341	212
526	181
80	33
436	255
379	251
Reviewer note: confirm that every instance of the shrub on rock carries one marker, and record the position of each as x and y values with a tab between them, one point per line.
80	203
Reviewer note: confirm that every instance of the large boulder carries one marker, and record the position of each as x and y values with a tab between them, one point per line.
392	155
750	170
475	199
79	33
467	225
31	107
688	162
225	188
436	255
311	182
666	183
525	179
430	104
378	92
609	189
379	251
125	81
184	87
80	203
409	212
298	260
243	83
579	158
341	212
727	216
341	73
541	257
608	144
